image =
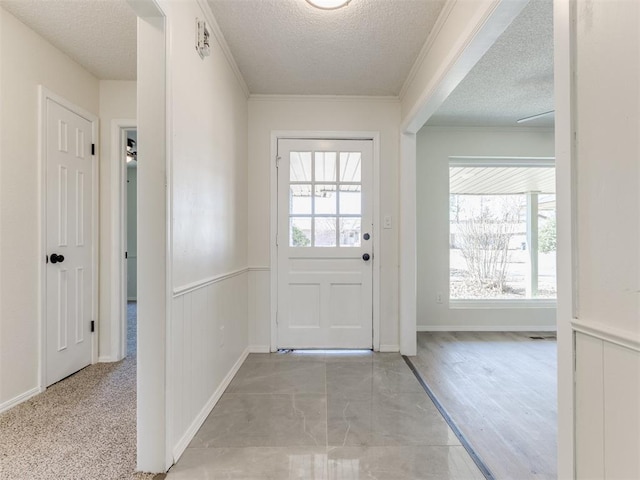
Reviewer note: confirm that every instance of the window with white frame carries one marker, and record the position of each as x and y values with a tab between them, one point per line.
502	228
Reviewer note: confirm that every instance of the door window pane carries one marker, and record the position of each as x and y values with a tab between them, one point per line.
350	199
300	199
325	231
300	167
299	232
350	229
350	166
325	166
325	199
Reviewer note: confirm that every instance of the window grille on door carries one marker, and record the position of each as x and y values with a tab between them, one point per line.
325	199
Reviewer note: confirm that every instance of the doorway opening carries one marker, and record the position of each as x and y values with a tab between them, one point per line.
485	204
124	230
131	233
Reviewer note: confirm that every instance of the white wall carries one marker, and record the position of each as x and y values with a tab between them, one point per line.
27	61
208	330
267	114
117	101
153	422
434	147
607	169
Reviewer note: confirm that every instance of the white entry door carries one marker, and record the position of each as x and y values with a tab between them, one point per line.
325	243
69	242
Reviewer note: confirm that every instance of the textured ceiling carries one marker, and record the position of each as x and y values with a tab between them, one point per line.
290	47
513	80
100	35
501	180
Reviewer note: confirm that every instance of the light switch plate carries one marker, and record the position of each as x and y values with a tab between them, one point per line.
386	221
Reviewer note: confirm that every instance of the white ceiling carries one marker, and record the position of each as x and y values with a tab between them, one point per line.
100	35
501	180
513	80
290	47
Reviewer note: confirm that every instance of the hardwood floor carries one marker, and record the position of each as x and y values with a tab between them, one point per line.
500	390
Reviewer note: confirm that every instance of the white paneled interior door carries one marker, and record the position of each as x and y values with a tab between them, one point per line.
325	243
69	242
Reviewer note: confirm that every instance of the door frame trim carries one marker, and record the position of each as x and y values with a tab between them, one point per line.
273	204
45	94
118	297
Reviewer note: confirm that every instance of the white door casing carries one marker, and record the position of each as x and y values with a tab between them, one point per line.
324	232
69	239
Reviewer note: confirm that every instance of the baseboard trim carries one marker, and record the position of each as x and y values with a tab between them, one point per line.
183	443
23	397
259	349
389	348
106	359
486	328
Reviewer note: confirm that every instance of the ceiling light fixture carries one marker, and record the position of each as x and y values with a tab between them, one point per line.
328	4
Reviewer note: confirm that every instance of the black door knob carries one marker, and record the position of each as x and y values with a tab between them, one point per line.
366	236
366	257
55	258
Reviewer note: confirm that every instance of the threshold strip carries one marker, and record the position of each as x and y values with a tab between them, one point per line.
447	418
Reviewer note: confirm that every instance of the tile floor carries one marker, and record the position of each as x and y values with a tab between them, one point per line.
325	416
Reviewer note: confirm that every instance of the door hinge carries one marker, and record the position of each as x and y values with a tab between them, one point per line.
278	161
277	318
126	254
93	149
277	238
93	326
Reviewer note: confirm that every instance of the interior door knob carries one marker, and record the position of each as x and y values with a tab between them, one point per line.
366	257
55	258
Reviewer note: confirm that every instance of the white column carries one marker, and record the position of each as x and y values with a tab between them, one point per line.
153	453
408	256
532	244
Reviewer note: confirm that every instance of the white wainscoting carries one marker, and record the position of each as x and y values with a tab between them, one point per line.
607	410
208	343
259	309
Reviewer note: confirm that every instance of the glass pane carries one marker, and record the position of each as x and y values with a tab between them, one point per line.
300	167
350	232
325	166
300	199
325	230
325	198
487	238
350	166
350	199
547	246
299	232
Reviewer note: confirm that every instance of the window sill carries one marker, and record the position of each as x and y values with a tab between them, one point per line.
477	304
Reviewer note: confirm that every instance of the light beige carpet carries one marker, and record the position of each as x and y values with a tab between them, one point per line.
83	427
